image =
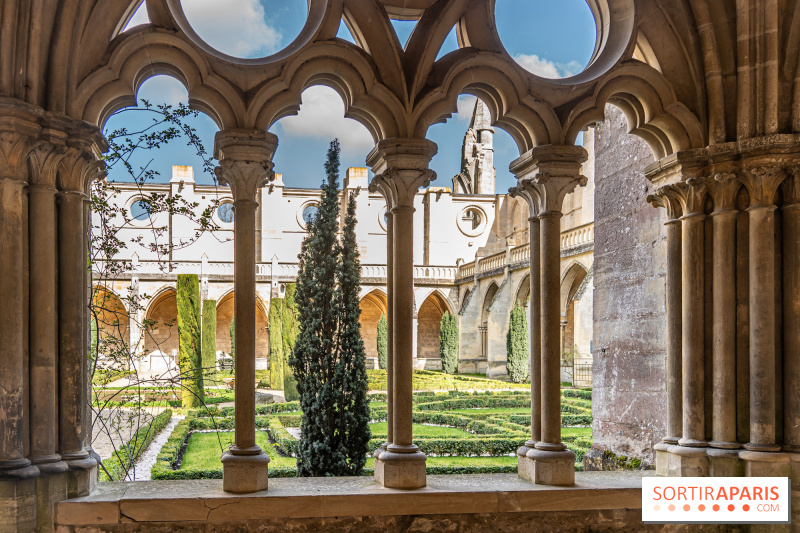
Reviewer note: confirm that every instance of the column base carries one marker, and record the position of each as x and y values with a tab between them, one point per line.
548	467
18	469
724	463
524	466
401	470
83	476
18	504
687	461
52	486
765	464
243	474
662	458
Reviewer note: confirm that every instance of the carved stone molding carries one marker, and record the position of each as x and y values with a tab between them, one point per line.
245	160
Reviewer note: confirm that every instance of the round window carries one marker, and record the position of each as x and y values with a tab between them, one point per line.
141	210
225	212
472	221
310	213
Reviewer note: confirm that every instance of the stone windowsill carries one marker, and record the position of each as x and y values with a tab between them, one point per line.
204	500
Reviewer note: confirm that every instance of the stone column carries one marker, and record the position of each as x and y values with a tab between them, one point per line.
690	457
16	142
389	330
534	329
245	163
667	197
545	175
791	312
43	322
80	166
762	184
401	168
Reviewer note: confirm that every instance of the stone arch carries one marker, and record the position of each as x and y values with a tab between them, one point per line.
524	291
225	312
373	305
483	326
162	323
429	319
573	277
112	320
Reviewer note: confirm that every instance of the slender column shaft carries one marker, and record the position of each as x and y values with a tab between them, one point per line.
71	327
692	334
86	411
43	323
535	333
762	328
724	327
403	303
791	325
244	303
12	222
674	379
390	327
550	225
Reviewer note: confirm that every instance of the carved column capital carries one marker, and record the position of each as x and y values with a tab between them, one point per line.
79	168
762	184
546	174
400	165
667	196
791	188
15	147
692	195
245	160
723	188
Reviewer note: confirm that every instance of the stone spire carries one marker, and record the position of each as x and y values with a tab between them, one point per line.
477	155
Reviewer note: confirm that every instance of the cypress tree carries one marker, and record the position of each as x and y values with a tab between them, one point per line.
209	336
233	337
448	342
276	354
289	334
190	361
328	358
383	344
517	345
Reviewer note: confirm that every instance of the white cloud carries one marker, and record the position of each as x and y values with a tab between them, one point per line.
466	105
234	27
546	68
321	116
163	90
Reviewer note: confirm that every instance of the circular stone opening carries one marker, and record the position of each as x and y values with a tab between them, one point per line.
225	212
141	209
310	213
472	221
247	29
549	39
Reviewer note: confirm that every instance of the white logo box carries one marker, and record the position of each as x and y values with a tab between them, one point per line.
721	500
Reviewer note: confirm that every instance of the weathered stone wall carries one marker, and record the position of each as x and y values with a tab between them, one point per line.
163	335
429	320
370	316
629	398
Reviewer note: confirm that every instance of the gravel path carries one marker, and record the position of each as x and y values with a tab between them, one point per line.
146	461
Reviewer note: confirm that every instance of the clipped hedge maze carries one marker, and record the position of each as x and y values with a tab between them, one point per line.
498	423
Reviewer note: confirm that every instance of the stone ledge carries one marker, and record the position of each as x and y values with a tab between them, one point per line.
204	500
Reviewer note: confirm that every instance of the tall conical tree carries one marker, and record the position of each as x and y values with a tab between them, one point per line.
448	342
209	337
190	361
328	358
517	345
383	343
290	328
276	353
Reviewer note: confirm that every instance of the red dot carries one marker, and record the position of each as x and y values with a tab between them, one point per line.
731	507
701	507
746	507
716	507
687	507
671	507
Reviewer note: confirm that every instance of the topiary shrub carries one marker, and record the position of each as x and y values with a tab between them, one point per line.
191	366
448	342
209	336
517	345
383	344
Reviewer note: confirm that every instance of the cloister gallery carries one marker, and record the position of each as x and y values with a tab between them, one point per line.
696	301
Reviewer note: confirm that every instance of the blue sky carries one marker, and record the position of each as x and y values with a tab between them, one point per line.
549	38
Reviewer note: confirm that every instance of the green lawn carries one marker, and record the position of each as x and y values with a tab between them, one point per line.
578	432
421	430
462	461
204	451
378	405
